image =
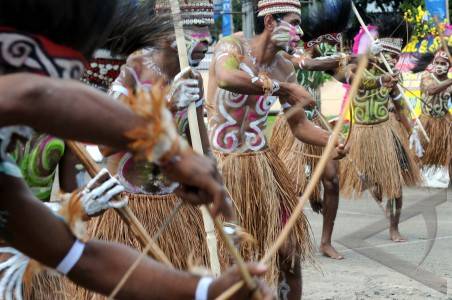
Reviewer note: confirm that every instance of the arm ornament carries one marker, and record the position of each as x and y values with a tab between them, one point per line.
157	141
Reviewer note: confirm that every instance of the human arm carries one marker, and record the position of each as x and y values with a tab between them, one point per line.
234	75
71	110
305	131
63	108
433	87
31	228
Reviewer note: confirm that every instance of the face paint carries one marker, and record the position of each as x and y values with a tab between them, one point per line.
286	36
441	66
197	40
441	69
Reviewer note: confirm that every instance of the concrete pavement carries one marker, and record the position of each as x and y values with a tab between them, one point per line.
376	268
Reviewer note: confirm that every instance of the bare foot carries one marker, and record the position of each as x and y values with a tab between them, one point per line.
395	236
330	252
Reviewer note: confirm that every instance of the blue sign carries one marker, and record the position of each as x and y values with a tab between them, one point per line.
437	8
227	18
217	8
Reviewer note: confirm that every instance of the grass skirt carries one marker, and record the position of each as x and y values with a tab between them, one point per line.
47	285
438	152
183	240
382	157
299	158
263	194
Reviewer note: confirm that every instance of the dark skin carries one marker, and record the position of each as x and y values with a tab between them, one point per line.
81	109
394	206
67	172
48	106
102	264
233	79
329	178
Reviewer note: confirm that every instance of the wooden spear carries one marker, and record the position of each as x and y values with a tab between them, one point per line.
125	213
364	26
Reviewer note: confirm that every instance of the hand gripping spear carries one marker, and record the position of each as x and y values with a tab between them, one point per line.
363	25
197	146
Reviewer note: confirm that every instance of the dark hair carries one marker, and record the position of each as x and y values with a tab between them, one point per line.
79	24
394	26
259	24
329	16
137	26
422	61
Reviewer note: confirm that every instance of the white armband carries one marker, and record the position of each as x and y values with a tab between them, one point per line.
71	258
286	105
202	289
398	97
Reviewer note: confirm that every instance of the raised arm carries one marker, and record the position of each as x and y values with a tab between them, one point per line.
233	76
432	87
71	110
66	109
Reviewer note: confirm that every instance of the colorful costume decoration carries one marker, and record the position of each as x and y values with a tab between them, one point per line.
436	120
38	55
377	151
102	70
38	160
254	175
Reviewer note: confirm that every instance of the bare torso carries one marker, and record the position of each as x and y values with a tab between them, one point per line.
237	122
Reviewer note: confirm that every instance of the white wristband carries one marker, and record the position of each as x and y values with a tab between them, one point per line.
202	290
71	258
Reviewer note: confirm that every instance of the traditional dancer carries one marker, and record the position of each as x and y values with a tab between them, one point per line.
245	79
377	151
70	110
436	91
151	195
319	54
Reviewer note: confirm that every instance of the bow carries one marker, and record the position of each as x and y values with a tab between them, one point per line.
298	210
418	122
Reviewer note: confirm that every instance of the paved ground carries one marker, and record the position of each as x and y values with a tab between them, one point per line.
368	269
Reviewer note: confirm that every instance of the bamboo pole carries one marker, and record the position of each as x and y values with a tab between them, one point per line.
195	136
410	108
125	213
312	183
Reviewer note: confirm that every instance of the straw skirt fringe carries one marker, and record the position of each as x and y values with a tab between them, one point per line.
184	239
439	151
46	285
299	158
263	195
380	155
